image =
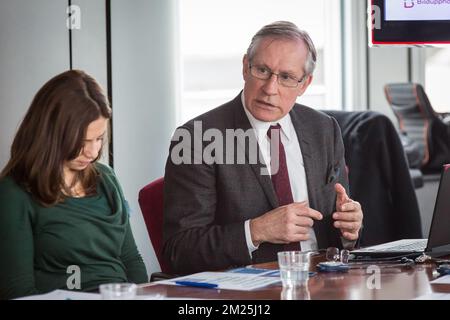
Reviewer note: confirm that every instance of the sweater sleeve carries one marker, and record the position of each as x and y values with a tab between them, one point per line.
132	260
16	242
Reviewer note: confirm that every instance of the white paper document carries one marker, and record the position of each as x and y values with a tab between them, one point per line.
244	279
442	280
64	295
434	296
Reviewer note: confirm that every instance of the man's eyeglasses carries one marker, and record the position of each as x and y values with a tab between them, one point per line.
333	254
283	78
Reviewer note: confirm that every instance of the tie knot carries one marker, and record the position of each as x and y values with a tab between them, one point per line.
273	127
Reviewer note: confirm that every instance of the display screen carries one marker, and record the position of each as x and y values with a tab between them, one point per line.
410	22
417	10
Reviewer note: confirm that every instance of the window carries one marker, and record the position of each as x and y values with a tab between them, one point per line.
437	71
215	35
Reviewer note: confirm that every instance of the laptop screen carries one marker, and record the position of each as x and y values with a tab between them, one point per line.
440	226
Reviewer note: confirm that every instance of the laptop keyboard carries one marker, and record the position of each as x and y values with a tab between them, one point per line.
415	246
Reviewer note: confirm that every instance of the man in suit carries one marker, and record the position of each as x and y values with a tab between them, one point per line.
220	214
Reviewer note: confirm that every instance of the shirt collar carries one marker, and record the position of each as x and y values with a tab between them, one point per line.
262	127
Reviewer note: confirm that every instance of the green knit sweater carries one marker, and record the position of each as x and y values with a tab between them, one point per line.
42	248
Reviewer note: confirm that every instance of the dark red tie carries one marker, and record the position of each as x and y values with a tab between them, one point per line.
280	179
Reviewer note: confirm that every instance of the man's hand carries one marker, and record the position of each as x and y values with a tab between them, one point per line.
349	214
289	223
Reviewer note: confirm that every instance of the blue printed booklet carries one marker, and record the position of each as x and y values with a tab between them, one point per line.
262	272
244	279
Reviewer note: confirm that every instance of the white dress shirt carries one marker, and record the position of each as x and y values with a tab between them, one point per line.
295	165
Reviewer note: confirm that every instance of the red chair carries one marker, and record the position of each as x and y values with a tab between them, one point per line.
151	203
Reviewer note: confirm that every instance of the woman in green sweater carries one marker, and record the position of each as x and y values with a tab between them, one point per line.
64	222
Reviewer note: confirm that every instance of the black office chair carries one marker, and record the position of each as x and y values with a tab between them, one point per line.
379	178
417	119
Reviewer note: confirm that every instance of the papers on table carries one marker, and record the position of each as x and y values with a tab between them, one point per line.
442	280
256	271
70	295
244	279
77	295
64	295
434	296
437	295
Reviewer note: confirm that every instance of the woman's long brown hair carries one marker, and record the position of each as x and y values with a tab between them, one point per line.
53	132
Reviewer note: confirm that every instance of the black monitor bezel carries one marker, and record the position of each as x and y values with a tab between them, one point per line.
409	32
434	247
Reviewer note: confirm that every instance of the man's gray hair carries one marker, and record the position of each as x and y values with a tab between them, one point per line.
286	30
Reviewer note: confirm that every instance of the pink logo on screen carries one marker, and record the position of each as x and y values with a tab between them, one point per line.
408	4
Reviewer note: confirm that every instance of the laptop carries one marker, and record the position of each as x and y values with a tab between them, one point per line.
438	242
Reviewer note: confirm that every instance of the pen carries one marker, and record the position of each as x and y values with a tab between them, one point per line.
197	284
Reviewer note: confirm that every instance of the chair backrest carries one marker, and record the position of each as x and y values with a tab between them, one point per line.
151	200
414	113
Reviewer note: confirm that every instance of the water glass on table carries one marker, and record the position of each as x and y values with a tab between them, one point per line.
294	268
118	291
295	293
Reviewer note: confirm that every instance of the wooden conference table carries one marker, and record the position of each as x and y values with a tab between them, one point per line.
357	284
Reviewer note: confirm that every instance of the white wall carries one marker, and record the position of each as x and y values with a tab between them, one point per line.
144	99
354	55
34	46
386	65
89	42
